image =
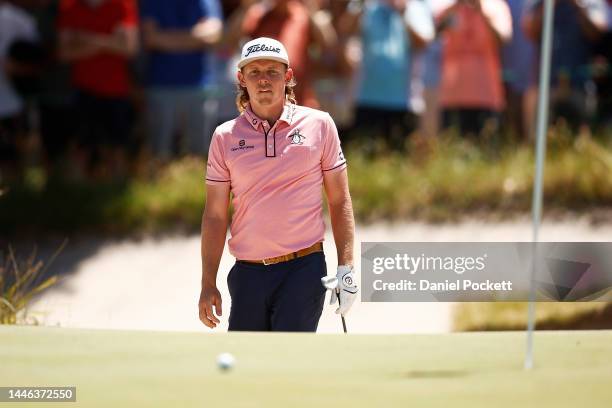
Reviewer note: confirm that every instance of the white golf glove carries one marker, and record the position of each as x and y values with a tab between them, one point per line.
347	288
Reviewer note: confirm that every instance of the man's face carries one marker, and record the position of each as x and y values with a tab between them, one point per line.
265	81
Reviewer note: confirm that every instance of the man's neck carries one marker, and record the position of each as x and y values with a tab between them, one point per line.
268	113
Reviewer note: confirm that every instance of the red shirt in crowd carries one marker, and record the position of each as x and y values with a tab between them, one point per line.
293	30
106	73
471	65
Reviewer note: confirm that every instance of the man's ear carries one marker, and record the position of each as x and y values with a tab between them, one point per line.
240	78
288	75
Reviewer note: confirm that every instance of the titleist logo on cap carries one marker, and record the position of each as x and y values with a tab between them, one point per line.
261	47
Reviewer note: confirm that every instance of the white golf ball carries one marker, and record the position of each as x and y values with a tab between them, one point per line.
225	361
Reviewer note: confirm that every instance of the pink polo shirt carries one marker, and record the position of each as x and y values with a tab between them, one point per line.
276	178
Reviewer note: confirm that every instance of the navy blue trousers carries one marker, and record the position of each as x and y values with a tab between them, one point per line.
287	296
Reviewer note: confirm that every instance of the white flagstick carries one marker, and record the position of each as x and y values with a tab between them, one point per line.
540	156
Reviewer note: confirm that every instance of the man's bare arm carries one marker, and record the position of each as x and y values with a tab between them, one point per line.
124	41
592	26
500	27
233	29
341	214
214	227
205	34
592	22
531	22
76	45
419	22
323	32
71	47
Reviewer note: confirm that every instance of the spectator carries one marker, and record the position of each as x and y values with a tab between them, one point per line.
428	72
419	19
391	31
429	75
335	72
56	102
517	62
577	26
472	94
15	26
178	36
226	61
98	37
604	75
290	22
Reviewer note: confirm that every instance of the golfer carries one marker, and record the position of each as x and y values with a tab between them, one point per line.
273	160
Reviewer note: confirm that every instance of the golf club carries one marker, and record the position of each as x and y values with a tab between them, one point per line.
331	283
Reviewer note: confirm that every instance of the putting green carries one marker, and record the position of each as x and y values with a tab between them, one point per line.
162	369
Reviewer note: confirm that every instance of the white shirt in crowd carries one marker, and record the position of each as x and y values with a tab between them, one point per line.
15	24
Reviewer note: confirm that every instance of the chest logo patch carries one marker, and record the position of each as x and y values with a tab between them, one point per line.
296	137
242	146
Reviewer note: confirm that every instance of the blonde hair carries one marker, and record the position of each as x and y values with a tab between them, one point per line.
242	96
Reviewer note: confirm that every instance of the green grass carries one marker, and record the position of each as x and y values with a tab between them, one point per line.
173	198
440	180
20	281
452	178
549	315
154	369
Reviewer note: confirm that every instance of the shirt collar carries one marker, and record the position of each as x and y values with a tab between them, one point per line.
255	121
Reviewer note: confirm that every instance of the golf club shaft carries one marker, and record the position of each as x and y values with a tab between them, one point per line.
341	316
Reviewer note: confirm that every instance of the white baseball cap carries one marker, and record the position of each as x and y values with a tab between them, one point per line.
263	48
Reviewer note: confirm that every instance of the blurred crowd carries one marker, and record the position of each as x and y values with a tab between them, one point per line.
94	87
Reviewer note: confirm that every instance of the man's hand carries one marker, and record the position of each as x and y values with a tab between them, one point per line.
475	4
86	42
210	297
248	3
150	32
347	289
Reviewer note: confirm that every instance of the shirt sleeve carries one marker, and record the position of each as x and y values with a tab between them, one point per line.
64	19
212	9
501	19
25	29
147	10
216	168
332	158
419	18
596	11
129	13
